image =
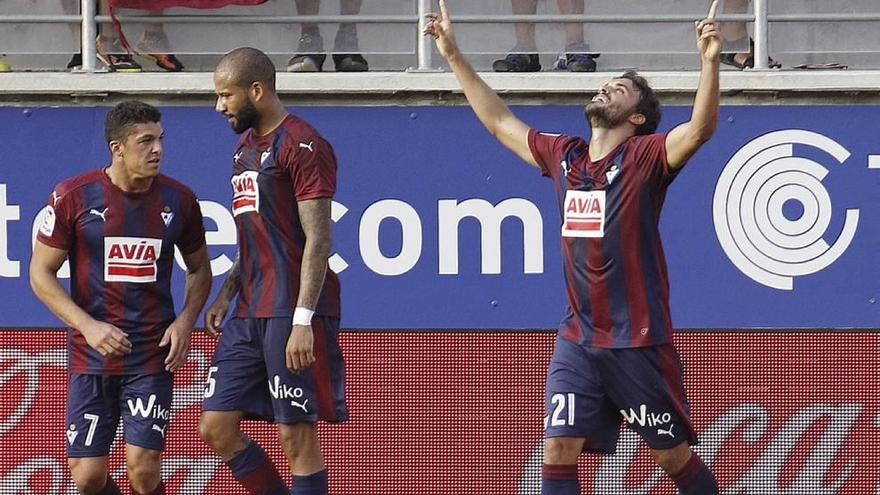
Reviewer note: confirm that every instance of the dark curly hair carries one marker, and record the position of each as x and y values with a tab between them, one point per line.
648	105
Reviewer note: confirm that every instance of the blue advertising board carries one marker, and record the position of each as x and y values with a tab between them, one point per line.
774	223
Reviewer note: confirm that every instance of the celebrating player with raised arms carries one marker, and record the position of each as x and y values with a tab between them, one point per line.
614	359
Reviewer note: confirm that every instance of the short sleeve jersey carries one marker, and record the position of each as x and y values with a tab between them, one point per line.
120	247
270	175
615	271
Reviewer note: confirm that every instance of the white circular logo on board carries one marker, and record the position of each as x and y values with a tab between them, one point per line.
772	212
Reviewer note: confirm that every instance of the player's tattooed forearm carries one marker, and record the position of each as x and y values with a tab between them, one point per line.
233	278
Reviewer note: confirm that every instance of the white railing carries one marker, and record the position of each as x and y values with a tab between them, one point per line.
424	49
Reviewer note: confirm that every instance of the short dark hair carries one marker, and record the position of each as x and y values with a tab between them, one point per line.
648	104
125	115
248	65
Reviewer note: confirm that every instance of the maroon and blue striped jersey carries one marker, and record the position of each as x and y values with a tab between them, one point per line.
120	246
615	270
270	174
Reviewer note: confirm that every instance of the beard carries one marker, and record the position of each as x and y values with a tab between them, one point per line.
605	116
247	118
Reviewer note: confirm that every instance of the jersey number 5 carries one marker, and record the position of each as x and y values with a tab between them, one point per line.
210	382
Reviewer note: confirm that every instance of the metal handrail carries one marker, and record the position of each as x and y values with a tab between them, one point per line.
373	19
425	52
408	19
412	19
761	36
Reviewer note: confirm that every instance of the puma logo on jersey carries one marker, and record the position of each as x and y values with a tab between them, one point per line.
236	156
160	429
102	214
245	193
307	146
55	198
301	405
131	259
661	431
265	156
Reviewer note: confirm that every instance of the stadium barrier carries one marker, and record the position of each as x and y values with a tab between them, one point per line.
460	412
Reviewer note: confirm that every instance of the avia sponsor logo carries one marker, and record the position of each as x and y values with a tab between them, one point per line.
282	391
245	193
150	409
583	214
645	418
131	259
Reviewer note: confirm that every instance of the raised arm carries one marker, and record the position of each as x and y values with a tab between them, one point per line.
490	109
683	141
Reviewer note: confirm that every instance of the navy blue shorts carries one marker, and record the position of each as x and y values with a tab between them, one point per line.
249	373
591	390
96	402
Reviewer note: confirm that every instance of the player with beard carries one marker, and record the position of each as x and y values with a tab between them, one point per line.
279	357
614	354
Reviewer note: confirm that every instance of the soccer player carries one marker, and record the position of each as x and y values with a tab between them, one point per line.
279	356
614	354
119	226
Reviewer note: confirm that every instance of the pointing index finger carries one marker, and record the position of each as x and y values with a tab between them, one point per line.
443	11
712	9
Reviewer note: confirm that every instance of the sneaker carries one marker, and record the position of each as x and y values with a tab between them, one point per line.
166	61
577	58
517	62
4	65
154	46
308	58
114	57
350	62
76	61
